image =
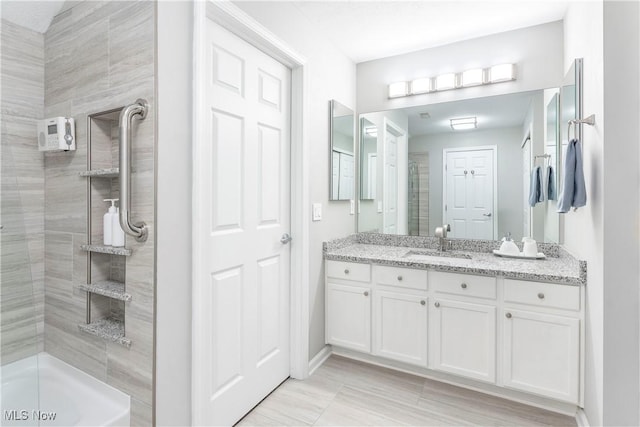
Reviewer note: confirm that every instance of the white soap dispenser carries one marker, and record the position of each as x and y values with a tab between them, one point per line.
107	223
117	232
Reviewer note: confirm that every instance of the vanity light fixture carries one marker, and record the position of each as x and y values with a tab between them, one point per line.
474	77
464	123
419	86
502	73
398	89
445	81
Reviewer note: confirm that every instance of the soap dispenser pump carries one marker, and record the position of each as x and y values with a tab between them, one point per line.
107	222
508	246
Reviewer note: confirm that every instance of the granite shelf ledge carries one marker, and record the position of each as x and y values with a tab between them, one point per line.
106	250
107	288
108	329
102	173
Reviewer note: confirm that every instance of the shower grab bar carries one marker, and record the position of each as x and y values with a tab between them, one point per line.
139	108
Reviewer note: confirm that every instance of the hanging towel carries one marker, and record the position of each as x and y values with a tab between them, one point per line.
535	188
574	192
551	184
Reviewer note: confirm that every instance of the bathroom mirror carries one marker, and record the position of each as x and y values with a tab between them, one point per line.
571	106
342	161
426	173
368	159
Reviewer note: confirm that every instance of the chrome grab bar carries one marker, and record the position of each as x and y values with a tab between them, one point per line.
139	108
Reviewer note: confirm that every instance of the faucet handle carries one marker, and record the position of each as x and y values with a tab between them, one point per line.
447	227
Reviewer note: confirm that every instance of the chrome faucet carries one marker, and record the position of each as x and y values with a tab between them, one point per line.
441	233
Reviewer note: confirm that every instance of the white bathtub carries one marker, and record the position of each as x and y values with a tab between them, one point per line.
44	391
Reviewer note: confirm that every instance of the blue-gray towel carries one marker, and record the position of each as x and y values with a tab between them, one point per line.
535	188
551	184
574	191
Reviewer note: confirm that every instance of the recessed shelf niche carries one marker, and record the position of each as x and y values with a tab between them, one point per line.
106	265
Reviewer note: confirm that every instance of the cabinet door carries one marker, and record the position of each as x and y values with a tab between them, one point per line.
541	354
462	339
349	316
400	327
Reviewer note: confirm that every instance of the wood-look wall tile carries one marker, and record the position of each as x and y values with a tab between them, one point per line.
84	352
141	414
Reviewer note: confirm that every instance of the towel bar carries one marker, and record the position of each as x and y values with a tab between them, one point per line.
591	120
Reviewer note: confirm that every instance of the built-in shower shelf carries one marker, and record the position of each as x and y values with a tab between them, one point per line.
102	173
107	288
106	250
109	329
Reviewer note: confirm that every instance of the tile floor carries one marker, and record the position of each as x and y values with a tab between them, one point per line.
344	392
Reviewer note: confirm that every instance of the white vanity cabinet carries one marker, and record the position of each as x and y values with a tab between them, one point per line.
462	319
348	300
519	335
400	314
541	344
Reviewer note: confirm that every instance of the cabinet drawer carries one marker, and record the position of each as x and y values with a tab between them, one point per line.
463	284
401	277
539	294
349	271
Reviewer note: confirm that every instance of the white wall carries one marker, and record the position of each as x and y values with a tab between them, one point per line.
509	172
330	75
537	51
584	229
173	213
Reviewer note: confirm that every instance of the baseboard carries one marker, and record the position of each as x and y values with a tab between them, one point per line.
319	359
581	418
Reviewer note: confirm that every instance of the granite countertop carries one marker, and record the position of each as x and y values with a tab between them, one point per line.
561	268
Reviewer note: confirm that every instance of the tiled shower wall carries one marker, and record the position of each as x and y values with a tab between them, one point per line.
99	56
22	207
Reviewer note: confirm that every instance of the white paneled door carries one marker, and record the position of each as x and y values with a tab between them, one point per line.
469	189
244	210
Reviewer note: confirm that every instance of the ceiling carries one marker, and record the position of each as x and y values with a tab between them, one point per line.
368	30
492	112
34	15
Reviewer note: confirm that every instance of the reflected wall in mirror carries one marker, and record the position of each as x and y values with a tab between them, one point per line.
342	162
478	179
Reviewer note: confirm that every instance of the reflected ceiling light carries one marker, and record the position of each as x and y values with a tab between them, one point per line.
419	86
371	131
398	89
464	123
473	77
446	81
502	73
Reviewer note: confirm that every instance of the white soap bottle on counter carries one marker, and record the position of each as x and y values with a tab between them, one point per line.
107	223
117	232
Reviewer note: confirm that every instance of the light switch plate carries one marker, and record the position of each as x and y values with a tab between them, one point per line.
316	212
353	207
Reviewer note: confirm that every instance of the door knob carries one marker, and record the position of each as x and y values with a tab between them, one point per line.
487	214
285	238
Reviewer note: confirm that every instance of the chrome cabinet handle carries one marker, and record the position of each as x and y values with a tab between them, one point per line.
423	302
366	293
437	304
463	286
346	271
285	238
487	214
508	315
541	295
399	278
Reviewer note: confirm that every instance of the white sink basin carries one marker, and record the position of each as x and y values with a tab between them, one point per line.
431	254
